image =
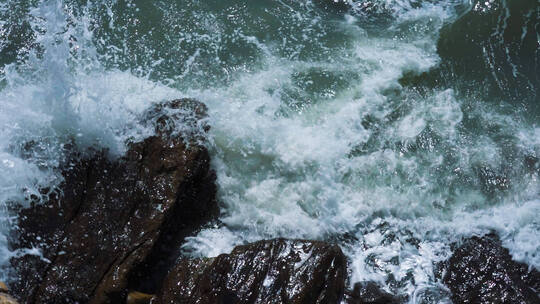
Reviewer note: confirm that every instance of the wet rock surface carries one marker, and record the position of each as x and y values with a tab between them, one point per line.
272	271
482	271
370	293
112	218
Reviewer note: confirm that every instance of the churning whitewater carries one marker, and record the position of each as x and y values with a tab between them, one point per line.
319	126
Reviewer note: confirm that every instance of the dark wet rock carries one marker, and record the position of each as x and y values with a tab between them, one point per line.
370	293
110	216
272	271
482	271
532	163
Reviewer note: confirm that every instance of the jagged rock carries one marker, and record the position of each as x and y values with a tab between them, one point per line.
272	271
370	293
110	216
482	271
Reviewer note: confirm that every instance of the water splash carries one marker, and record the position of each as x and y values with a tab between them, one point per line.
314	134
59	94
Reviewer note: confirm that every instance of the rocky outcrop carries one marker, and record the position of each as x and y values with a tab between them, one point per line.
112	219
272	271
482	271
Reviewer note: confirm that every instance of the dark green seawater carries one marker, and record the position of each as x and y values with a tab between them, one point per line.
392	127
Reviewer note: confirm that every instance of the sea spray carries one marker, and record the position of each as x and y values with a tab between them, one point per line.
55	95
320	126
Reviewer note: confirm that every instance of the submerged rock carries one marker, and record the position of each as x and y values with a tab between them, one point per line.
272	271
370	293
111	216
482	271
490	50
495	41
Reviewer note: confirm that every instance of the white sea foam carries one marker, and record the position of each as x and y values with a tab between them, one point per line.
392	174
294	175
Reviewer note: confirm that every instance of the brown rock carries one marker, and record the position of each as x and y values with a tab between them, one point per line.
7	299
4	297
482	271
273	271
136	297
110	216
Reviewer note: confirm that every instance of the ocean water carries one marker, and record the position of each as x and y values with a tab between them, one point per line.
373	124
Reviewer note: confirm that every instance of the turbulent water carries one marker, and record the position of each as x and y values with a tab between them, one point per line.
375	124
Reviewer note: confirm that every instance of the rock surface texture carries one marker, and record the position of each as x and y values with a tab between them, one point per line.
482	271
370	293
110	216
5	298
272	271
